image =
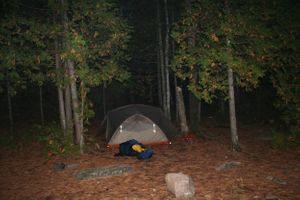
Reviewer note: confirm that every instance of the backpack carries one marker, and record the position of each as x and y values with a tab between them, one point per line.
125	149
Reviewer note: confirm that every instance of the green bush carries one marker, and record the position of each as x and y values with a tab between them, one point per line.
294	137
278	139
7	140
285	139
58	141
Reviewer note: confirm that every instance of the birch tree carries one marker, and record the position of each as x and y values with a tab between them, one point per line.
215	59
166	59
93	54
160	60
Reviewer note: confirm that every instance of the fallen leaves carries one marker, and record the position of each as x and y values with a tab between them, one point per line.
27	174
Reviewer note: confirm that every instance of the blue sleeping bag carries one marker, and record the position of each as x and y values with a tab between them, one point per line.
126	149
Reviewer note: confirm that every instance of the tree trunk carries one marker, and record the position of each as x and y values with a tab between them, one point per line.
68	103
82	102
159	82
199	112
166	54
41	105
62	115
104	98
176	100
161	58
174	75
221	113
233	127
73	87
232	114
193	101
83	97
10	115
194	112
181	109
75	105
68	108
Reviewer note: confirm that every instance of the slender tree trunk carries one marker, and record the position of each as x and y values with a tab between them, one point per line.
159	82
168	92
174	75
68	103
75	104
68	107
193	101
73	88
222	110
58	67
104	98
199	112
161	57
181	108
176	100
82	104
41	105
233	127
83	97
232	114
194	115
62	115
10	114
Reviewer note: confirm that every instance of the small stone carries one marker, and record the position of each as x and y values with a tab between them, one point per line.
59	167
227	165
209	196
71	166
276	180
272	197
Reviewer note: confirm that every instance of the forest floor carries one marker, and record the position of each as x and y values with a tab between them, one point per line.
263	173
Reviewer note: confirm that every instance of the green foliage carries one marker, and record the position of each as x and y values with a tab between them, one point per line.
278	140
57	141
283	58
213	36
285	139
97	39
91	34
22	52
7	140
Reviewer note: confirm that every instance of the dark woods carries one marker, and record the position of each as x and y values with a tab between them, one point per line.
72	61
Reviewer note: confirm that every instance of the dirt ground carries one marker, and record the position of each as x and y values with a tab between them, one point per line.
264	173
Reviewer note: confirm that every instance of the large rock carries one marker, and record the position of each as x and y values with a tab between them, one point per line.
180	185
93	173
227	165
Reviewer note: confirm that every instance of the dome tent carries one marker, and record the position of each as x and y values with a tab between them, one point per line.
144	123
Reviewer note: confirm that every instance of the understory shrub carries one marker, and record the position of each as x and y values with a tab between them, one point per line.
285	139
58	141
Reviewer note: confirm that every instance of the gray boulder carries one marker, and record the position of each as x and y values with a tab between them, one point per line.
180	185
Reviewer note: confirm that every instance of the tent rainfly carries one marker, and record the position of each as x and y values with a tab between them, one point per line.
143	123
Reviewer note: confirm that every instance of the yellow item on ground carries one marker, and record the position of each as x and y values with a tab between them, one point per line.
138	148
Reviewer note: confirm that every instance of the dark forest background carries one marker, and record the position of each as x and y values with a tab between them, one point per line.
115	53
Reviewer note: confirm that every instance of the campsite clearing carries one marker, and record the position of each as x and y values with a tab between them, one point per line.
26	174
